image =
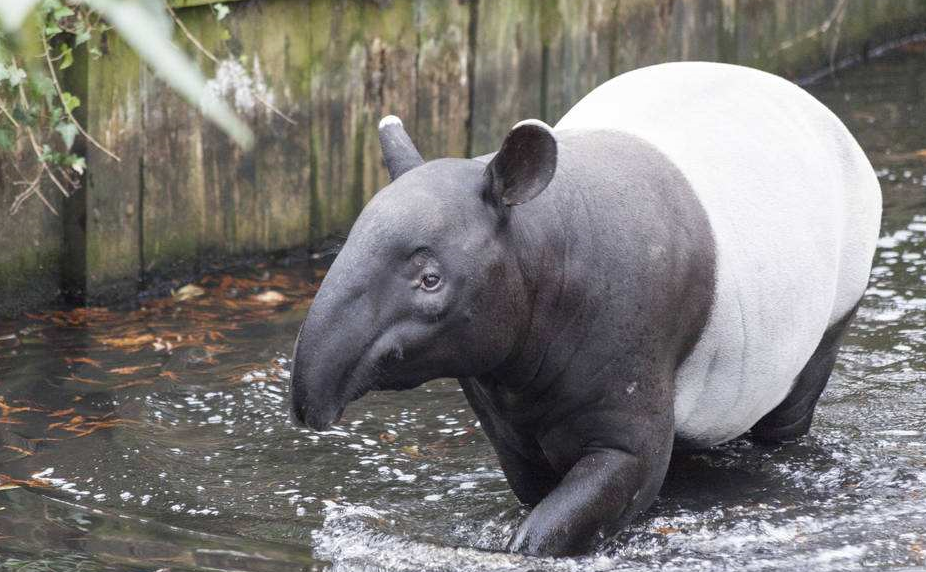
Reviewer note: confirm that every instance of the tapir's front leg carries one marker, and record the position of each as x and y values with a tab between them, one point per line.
528	473
603	491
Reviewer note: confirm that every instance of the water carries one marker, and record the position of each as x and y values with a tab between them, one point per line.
156	439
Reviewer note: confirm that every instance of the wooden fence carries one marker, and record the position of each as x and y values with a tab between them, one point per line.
459	73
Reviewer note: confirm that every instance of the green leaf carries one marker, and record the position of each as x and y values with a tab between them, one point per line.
81	34
47	154
221	10
52	30
67	57
17	76
23	115
12	75
79	164
62	12
70	101
7	139
68	133
43	85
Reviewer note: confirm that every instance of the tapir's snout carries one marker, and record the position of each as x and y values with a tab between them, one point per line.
306	408
328	350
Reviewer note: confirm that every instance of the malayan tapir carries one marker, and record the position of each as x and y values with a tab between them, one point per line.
674	263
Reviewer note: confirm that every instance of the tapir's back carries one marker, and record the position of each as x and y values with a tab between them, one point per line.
794	206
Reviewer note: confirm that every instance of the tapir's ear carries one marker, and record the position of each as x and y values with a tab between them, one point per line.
399	152
525	164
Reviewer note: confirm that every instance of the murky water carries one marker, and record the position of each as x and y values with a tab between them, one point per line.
158	439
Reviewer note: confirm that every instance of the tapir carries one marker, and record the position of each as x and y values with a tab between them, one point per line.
673	264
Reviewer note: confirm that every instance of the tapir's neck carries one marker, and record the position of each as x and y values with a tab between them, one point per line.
543	237
616	259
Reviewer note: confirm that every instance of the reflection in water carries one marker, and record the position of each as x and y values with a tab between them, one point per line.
62	528
127	435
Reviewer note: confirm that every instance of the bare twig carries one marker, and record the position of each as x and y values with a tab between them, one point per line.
193	39
837	33
37	149
32	189
8	116
54	79
199	46
836	16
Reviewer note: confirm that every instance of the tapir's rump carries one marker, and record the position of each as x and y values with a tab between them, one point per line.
794	207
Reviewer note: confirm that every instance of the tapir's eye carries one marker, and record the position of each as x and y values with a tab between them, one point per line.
430	281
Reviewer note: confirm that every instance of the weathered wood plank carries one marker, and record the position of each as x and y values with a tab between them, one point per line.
266	190
207	198
174	210
101	222
578	50
442	95
363	67
508	70
32	247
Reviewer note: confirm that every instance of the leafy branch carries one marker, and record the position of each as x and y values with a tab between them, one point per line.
37	113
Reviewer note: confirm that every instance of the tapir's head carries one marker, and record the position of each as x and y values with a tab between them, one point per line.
428	283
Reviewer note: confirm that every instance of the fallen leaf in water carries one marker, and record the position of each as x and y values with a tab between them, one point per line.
19	450
169	375
82	426
187	292
667	530
131	384
387	437
86	360
79	379
270	297
129	370
8	482
61	412
7	410
894	158
129	342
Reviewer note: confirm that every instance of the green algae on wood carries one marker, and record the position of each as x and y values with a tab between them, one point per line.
442	90
104	219
362	67
507	80
459	74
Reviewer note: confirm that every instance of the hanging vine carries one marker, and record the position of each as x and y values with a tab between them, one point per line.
38	126
38	112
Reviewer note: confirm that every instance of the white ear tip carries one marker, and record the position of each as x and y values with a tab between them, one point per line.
389	120
533	122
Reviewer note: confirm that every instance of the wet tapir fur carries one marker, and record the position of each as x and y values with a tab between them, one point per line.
674	263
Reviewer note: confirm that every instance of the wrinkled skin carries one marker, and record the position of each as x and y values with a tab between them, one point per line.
559	283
